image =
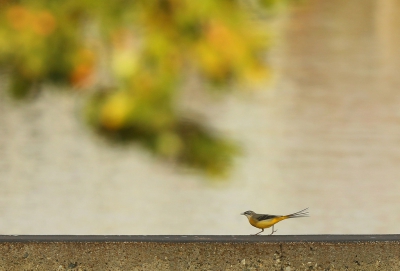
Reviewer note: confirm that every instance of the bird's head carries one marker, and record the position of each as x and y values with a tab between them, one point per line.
248	213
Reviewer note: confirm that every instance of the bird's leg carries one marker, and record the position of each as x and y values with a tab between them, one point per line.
273	230
259	232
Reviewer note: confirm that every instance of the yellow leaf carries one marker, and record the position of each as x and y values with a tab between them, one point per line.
116	110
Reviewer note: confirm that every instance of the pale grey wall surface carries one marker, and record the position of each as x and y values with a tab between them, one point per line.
326	136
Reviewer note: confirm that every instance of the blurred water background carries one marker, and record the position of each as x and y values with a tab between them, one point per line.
325	136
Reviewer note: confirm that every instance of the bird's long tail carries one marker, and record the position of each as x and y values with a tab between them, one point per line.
302	213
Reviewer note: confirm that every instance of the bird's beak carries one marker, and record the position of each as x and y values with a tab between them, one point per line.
242	213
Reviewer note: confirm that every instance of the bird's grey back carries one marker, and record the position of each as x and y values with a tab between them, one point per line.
260	217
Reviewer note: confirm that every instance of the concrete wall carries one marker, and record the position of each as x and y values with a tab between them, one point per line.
312	252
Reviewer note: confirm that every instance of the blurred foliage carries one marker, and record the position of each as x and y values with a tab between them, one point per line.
147	48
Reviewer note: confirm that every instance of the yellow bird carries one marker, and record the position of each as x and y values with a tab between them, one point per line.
263	221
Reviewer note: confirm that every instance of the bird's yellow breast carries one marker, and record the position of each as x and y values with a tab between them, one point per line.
265	223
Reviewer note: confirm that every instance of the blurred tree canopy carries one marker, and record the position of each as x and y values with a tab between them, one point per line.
147	49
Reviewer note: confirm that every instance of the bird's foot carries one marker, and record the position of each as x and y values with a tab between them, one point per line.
273	232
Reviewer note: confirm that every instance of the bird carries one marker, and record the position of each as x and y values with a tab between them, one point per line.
263	221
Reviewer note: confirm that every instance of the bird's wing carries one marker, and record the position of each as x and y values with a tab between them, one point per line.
265	217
